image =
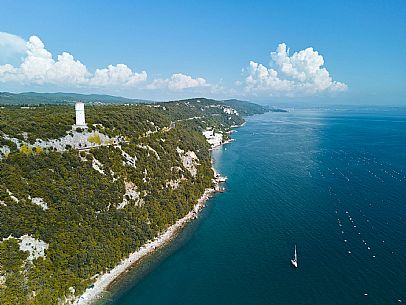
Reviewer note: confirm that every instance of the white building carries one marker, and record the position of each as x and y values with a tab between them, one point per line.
208	133
230	111
214	138
80	114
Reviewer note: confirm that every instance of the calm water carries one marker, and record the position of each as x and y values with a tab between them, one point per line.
331	181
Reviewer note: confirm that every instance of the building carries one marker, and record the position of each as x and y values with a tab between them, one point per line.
80	115
213	138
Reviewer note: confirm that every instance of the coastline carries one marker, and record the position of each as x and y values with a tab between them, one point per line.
103	281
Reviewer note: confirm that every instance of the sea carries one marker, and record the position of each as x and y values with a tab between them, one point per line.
330	181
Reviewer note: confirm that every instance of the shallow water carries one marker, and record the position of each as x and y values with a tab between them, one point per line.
331	181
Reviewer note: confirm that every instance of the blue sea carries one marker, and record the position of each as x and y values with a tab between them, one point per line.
331	181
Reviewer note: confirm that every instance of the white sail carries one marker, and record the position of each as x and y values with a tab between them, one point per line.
294	260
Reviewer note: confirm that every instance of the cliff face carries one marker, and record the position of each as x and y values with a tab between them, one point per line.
73	203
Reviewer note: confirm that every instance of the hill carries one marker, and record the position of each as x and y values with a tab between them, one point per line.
247	108
34	98
74	202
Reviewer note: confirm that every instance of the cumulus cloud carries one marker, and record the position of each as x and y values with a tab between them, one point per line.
39	67
29	63
178	81
117	75
11	47
299	74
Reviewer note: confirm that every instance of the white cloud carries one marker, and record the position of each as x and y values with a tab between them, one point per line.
39	67
116	75
178	81
28	64
300	74
11	47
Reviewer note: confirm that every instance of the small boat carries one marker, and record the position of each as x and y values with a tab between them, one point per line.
294	260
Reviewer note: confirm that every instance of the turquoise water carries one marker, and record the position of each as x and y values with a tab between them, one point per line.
331	181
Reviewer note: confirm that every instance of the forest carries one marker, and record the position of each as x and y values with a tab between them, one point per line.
93	207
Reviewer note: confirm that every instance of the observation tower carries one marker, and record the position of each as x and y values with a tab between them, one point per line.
80	115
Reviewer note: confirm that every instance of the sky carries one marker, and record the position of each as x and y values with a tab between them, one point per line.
333	52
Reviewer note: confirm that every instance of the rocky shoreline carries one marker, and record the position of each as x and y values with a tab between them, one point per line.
103	281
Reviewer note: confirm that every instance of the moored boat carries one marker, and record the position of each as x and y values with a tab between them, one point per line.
294	260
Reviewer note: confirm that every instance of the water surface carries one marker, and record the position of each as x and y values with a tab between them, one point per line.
331	181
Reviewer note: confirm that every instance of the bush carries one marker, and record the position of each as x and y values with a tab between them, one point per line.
95	138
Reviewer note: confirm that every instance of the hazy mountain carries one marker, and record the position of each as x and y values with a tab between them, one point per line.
29	98
248	108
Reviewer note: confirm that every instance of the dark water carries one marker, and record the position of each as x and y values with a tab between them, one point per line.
331	181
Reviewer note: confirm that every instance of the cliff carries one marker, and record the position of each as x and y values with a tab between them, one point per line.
75	202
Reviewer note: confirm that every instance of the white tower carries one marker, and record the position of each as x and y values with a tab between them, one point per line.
80	114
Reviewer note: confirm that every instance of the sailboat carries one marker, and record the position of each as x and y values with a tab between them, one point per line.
294	260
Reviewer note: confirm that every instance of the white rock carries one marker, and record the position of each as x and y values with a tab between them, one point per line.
97	165
189	160
40	202
35	247
130	193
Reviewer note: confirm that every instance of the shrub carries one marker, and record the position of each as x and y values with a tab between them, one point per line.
94	139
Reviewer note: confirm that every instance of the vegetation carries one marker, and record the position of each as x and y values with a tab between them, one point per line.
94	139
33	98
85	224
247	108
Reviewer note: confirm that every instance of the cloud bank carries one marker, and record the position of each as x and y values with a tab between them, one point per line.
39	67
178	81
28	64
297	75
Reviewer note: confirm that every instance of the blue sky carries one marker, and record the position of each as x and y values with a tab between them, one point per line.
220	49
